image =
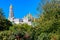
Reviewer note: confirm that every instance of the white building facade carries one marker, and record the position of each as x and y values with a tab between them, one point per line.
26	19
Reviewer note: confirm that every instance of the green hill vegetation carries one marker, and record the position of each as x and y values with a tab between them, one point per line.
47	28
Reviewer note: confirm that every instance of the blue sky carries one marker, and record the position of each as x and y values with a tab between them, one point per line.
20	7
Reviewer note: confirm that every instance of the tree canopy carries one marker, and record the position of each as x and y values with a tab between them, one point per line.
46	27
4	23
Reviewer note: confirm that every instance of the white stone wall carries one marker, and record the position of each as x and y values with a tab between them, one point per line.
16	21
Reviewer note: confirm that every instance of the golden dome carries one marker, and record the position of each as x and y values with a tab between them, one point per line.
10	6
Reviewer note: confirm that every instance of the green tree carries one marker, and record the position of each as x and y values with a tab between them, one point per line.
49	20
4	23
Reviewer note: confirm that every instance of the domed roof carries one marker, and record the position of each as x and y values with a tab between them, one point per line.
29	16
11	6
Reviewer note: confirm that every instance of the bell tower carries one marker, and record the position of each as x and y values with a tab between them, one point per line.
11	14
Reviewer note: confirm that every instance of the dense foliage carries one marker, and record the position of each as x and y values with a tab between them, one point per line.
4	23
46	27
50	21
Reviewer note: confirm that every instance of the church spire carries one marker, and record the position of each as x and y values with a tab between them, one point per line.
11	15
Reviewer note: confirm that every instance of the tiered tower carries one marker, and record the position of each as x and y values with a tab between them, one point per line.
11	14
